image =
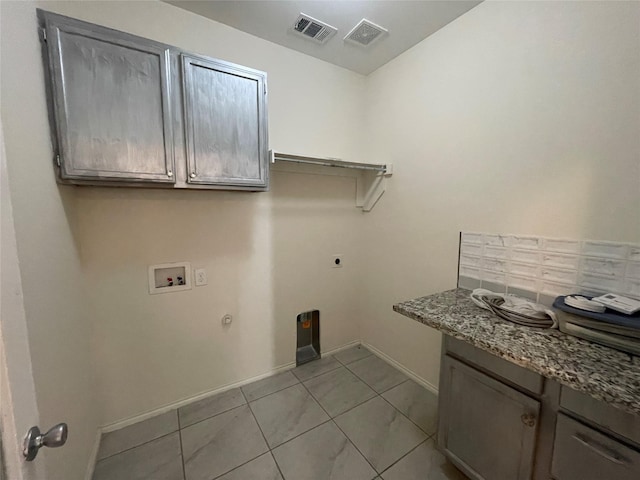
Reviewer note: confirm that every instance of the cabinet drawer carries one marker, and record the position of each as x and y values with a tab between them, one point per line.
610	418
582	453
495	366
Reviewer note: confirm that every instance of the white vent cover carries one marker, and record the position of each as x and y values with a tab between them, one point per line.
314	29
365	33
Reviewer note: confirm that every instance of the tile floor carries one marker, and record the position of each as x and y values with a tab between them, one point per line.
348	416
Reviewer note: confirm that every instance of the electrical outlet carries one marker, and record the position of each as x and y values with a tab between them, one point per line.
337	260
201	277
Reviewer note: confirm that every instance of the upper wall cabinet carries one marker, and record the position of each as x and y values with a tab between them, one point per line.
130	111
226	122
111	103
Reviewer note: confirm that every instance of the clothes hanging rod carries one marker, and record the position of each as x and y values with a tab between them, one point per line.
327	162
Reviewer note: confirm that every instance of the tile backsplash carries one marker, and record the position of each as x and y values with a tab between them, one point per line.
542	268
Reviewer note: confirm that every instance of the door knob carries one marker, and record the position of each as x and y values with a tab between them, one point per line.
55	437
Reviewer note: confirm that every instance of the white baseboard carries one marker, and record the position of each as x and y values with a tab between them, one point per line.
343	347
185	401
94	455
412	375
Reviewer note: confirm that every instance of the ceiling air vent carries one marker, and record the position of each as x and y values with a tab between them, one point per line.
365	33
314	29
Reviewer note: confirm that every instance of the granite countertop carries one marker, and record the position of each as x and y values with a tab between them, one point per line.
604	373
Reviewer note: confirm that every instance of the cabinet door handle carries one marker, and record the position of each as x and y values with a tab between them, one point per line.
601	450
529	419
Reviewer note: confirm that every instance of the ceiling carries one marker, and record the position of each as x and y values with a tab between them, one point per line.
408	23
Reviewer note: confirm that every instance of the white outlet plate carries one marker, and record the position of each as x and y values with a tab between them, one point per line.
337	260
200	277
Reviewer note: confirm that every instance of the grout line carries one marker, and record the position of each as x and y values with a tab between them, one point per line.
331	419
139	445
184	468
273	457
407	417
270	393
241	465
379	394
263	437
300	434
214	415
255	419
357	359
321	373
400	459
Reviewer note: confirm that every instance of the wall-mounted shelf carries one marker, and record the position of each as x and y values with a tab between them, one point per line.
370	177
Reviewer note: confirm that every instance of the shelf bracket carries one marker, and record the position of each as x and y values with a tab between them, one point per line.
371	178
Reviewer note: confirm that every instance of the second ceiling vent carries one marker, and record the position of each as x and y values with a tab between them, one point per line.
365	33
314	29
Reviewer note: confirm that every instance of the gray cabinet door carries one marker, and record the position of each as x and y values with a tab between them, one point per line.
485	427
111	98
226	127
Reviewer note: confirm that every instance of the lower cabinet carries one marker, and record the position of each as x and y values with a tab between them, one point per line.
500	421
583	453
486	428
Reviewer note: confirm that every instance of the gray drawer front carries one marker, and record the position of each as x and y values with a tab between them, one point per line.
495	366
581	453
611	418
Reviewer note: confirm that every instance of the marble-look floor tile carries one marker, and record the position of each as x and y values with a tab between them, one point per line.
287	413
137	434
221	443
315	368
377	373
352	354
210	406
380	432
262	468
269	385
321	454
339	390
159	459
424	463
417	403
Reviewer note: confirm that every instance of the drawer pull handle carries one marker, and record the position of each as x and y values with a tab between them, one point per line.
529	419
601	450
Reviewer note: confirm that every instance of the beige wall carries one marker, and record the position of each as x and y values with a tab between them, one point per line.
518	117
267	255
57	312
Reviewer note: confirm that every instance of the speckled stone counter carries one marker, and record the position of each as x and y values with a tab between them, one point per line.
605	374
